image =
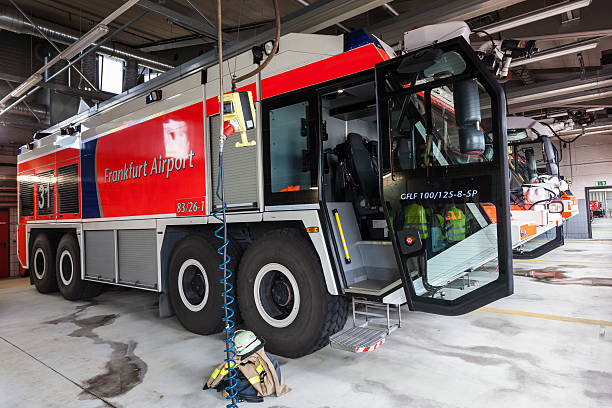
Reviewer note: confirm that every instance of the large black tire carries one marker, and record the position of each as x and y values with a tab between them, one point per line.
275	263
42	264
198	303
68	268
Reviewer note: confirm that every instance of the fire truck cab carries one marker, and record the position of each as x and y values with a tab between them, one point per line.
372	176
540	198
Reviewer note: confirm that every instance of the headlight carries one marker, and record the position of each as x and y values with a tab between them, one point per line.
268	47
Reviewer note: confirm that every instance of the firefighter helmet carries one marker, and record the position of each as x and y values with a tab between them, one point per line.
246	342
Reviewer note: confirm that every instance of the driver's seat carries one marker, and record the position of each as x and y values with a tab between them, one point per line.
364	167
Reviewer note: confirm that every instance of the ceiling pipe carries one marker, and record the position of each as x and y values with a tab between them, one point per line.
566	49
533	16
39	110
11	20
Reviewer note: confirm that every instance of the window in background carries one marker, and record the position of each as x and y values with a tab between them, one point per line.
110	74
149	73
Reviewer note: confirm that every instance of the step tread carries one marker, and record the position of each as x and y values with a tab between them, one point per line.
358	339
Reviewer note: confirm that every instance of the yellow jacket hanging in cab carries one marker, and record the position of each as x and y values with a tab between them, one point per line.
258	370
416	218
456	227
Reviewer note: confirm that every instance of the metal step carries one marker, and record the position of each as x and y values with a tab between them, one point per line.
358	339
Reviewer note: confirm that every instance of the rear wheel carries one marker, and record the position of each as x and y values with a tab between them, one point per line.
283	297
194	284
68	267
42	264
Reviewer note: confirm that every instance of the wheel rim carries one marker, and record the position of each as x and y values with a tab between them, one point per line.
66	268
39	263
193	285
277	295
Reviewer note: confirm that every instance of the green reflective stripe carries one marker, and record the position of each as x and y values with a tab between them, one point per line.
259	368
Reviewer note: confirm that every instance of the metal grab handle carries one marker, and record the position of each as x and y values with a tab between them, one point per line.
347	257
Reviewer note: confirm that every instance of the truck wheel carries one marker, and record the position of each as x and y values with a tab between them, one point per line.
68	267
43	265
194	284
283	296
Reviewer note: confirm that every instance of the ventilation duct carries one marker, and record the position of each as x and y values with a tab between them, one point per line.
12	20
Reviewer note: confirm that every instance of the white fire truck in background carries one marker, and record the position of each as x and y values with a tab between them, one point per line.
540	198
364	183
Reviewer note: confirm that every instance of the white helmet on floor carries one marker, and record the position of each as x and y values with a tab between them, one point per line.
246	342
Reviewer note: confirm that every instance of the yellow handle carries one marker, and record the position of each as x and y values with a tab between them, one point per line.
347	257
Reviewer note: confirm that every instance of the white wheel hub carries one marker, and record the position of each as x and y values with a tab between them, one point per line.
41	253
66	265
189	269
263	287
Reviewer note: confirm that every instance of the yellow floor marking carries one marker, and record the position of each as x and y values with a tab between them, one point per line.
546	316
562	261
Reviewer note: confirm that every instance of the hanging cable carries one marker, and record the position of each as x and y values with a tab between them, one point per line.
269	58
488	35
559	137
221	233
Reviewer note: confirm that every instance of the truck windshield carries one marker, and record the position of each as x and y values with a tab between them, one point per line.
519	160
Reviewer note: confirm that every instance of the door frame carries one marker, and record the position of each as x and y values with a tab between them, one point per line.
8	241
587	200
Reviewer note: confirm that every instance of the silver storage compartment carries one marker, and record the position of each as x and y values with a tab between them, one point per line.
239	166
137	257
100	255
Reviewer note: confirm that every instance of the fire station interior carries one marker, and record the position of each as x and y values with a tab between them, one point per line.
405	204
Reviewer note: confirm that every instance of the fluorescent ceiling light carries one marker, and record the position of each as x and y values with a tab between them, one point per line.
587	129
85	41
26	85
533	16
556	52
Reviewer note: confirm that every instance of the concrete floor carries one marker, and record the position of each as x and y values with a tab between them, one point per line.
602	228
550	344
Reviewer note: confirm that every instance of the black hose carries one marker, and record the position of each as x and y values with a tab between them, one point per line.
540	201
488	35
559	137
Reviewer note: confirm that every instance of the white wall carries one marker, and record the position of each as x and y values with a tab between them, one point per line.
591	160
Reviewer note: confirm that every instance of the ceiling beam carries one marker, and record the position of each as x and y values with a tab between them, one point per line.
562	100
64	89
560	89
391	30
565	36
326	13
181	18
170	45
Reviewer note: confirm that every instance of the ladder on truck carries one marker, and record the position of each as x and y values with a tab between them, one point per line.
372	323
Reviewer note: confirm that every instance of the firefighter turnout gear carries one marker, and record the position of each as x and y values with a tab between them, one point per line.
258	369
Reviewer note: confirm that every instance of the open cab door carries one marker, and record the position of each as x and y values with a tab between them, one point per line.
444	177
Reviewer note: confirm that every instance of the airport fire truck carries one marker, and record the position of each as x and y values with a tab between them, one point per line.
366	177
540	198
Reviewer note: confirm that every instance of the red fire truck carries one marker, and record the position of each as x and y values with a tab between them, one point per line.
363	183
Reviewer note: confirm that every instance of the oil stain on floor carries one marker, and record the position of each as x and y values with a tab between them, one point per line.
123	371
553	275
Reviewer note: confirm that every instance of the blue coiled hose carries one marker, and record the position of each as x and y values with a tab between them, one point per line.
228	299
